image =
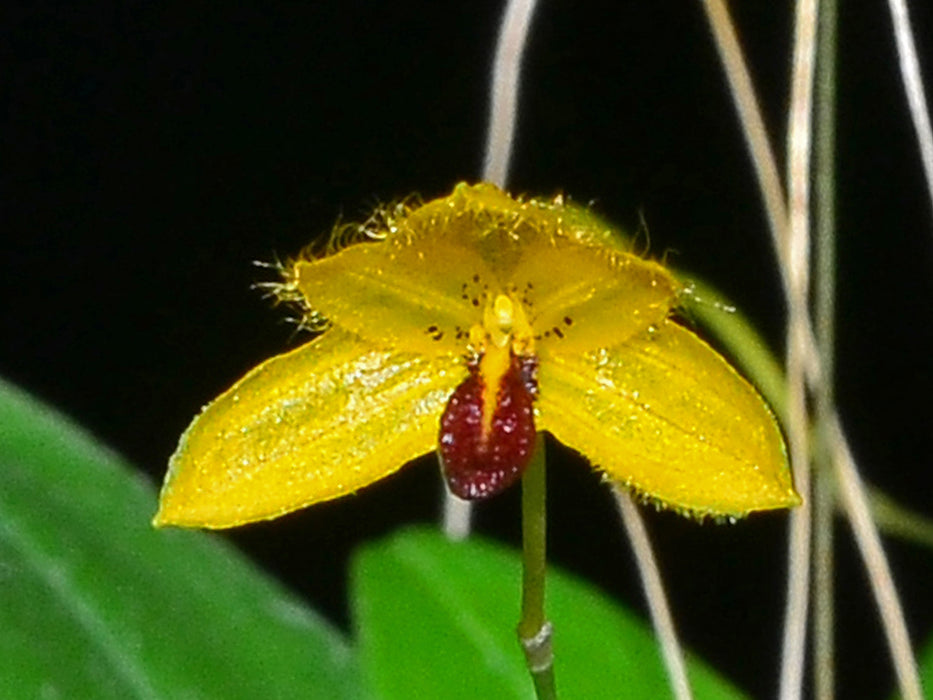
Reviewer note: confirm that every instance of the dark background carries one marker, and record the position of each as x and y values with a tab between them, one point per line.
151	151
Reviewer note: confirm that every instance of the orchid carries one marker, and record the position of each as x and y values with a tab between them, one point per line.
468	324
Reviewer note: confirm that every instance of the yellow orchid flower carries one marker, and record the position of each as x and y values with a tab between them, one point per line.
466	325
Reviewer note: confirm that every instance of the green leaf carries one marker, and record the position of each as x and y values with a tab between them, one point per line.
95	603
437	619
925	662
925	666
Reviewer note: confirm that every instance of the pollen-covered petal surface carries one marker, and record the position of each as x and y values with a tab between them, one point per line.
416	296
435	267
664	414
319	422
579	297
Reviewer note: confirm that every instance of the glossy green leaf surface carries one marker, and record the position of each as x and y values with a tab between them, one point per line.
95	603
437	619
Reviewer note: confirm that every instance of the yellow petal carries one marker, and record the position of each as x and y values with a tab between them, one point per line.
582	297
421	297
423	286
667	416
321	421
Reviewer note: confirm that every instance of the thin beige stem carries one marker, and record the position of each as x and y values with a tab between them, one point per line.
824	650
759	147
913	86
503	114
458	517
853	496
752	121
803	353
798	282
794	277
506	73
661	618
798	575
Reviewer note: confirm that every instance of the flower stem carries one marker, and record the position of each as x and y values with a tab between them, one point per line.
534	631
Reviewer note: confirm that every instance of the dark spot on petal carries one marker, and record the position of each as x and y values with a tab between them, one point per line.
568	320
558	332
